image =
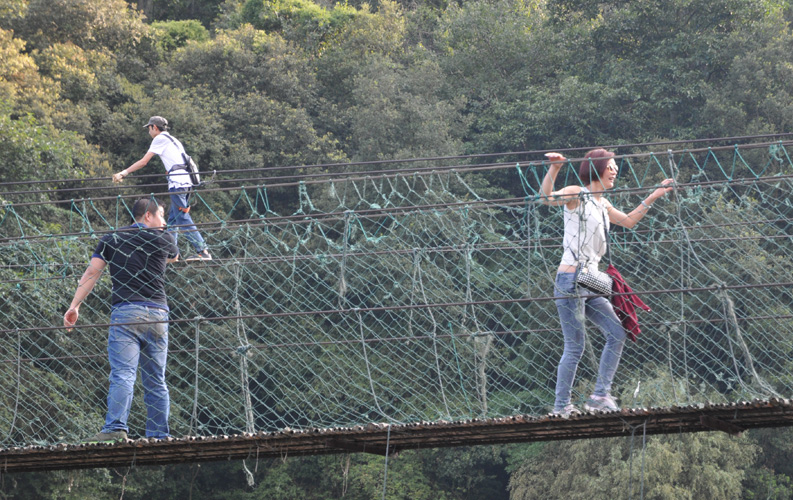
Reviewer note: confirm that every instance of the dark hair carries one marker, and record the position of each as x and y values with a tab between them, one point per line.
144	205
596	160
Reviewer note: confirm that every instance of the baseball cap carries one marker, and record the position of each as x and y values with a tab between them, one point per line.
159	121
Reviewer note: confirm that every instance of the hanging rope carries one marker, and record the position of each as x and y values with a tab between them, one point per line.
194	417
17	388
242	350
434	332
482	340
369	370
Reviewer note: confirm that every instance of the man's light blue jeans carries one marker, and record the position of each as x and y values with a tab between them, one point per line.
574	305
179	221
128	346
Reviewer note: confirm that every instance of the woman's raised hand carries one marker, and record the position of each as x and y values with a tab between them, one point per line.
555	158
666	186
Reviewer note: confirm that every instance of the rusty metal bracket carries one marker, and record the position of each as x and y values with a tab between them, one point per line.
720	425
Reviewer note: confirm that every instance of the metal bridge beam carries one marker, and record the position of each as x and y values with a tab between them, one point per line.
372	438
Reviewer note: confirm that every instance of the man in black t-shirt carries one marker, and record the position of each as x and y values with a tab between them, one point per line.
137	256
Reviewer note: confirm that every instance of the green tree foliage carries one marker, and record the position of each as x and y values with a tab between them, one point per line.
398	113
11	11
499	55
459	474
29	148
74	69
368	37
673	55
250	84
204	11
171	35
302	21
92	25
772	476
23	89
243	61
385	98
757	96
686	466
87	23
594	72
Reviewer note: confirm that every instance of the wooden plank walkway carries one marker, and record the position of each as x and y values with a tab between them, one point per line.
374	438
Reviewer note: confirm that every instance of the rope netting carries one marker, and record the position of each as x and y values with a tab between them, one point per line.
406	296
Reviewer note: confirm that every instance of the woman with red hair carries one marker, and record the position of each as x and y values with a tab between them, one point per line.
587	216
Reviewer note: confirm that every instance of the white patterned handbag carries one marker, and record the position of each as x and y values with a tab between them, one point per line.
597	281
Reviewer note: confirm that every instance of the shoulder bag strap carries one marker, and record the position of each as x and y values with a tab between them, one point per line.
181	151
606	232
173	141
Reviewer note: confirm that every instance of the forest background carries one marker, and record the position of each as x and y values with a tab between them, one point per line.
260	83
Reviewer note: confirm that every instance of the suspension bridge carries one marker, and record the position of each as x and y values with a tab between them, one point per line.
385	306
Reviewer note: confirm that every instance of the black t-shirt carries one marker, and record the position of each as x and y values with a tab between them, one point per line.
137	257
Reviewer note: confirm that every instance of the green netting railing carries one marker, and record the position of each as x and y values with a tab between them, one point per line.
409	296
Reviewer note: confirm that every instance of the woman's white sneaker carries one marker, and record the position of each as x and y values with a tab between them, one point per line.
601	403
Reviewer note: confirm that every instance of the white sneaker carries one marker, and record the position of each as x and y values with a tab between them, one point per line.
568	411
601	403
202	255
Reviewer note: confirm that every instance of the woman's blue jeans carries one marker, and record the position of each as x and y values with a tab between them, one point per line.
574	304
179	220
128	346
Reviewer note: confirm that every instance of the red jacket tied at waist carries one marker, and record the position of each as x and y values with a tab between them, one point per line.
625	305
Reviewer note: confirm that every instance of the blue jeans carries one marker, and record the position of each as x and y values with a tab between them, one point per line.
178	217
130	345
572	310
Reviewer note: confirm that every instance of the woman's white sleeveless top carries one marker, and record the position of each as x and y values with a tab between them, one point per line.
585	231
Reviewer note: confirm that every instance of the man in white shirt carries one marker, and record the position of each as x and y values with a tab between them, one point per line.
170	150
